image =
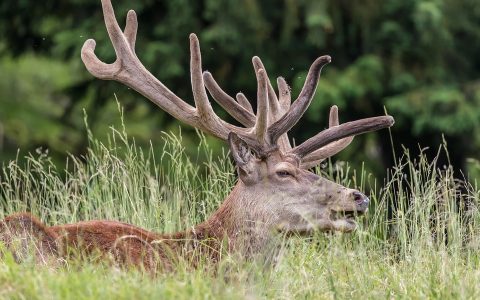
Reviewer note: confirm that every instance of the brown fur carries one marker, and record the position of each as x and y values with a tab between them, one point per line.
128	245
25	236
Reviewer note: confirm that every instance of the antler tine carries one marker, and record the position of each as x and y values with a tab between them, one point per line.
284	95
204	108
94	65
113	29
261	123
235	109
274	110
277	109
317	156
333	119
284	100
131	27
341	131
300	105
243	101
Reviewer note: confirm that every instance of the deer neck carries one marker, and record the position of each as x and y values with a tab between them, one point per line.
238	222
235	227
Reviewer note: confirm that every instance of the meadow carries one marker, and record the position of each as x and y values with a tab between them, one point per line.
420	238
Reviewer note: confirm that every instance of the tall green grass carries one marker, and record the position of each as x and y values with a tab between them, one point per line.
426	247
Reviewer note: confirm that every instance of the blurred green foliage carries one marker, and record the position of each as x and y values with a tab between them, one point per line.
418	59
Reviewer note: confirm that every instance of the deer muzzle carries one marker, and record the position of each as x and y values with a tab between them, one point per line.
361	201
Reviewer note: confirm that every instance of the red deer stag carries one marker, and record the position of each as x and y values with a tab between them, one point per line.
275	192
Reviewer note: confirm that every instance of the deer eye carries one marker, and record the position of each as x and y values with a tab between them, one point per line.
284	173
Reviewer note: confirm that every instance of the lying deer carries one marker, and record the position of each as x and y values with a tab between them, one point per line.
275	194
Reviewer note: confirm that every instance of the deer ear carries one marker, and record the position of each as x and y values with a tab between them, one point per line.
242	155
240	151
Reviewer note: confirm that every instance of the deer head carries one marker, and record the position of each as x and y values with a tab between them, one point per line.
275	191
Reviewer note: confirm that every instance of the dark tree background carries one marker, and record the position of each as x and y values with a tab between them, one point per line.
418	59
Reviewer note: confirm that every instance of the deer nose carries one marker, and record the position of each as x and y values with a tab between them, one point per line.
361	200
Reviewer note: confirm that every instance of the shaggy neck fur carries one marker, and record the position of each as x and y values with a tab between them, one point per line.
236	227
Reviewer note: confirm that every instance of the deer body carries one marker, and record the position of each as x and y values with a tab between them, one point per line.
126	244
248	223
275	194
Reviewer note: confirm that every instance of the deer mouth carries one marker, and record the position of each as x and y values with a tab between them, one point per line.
341	221
346	220
347	214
